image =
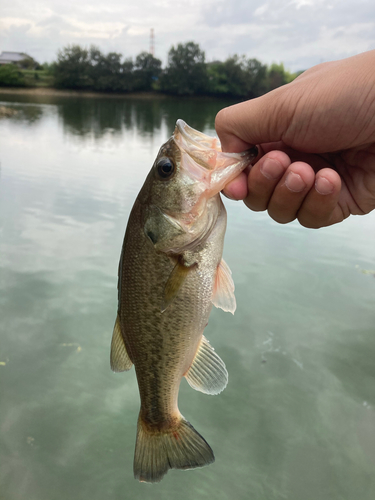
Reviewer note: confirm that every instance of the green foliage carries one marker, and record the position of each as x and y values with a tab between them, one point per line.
72	68
257	73
217	81
108	73
237	76
49	68
186	73
28	63
235	71
147	71
37	78
11	76
278	75
83	69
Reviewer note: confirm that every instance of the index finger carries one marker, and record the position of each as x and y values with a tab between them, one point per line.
257	121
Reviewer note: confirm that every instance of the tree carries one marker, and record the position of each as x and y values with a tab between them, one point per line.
217	78
235	71
127	69
147	71
256	74
49	68
237	77
79	68
108	73
28	63
72	69
277	76
186	73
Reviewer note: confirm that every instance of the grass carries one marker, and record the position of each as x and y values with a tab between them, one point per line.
40	78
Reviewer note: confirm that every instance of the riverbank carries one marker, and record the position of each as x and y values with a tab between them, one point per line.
52	92
49	91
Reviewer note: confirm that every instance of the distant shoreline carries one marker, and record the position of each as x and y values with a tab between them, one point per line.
50	91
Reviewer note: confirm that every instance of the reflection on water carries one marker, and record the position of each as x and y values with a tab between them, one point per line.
297	419
97	116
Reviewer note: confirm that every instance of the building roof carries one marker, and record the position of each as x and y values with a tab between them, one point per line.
13	57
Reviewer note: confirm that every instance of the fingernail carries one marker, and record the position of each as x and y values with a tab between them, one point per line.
271	169
294	182
323	186
228	196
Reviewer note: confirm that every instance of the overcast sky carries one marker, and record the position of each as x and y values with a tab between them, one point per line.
299	33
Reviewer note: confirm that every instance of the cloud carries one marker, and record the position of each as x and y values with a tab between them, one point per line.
296	13
54	21
299	33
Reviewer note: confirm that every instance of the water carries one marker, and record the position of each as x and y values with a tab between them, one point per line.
297	420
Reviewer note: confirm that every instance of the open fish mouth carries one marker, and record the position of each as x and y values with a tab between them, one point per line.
194	139
205	162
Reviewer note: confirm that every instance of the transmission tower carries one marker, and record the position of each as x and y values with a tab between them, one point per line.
152	42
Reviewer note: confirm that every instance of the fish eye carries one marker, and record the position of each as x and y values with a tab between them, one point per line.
165	168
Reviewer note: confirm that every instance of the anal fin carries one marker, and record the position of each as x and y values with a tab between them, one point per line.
207	373
223	293
120	361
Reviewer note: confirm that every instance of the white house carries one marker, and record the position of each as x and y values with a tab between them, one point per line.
14	58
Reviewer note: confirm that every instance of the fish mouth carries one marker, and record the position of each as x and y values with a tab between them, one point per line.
205	162
197	139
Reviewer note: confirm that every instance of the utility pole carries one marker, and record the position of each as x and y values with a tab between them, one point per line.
152	42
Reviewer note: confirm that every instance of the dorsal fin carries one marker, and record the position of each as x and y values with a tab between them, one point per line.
207	373
223	293
120	361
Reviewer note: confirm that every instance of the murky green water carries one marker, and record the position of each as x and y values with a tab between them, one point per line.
297	420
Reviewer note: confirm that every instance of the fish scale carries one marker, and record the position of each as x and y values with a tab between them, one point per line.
171	273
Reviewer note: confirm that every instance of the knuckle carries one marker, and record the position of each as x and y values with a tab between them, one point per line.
219	120
222	121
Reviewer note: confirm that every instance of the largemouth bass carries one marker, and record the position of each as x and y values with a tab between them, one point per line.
171	272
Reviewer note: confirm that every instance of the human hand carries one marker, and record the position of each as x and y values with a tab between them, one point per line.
316	138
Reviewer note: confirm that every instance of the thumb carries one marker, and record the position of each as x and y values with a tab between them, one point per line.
257	121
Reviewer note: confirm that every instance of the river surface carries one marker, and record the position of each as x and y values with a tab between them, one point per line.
297	420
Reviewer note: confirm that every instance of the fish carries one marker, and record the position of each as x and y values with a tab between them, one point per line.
171	273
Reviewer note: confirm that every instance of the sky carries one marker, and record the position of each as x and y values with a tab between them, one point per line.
298	33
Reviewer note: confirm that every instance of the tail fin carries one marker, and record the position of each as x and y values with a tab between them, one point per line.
158	451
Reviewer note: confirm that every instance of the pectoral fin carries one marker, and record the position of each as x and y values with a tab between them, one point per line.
207	373
223	293
174	283
120	361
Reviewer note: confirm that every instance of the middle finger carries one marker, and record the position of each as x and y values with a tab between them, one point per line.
290	192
